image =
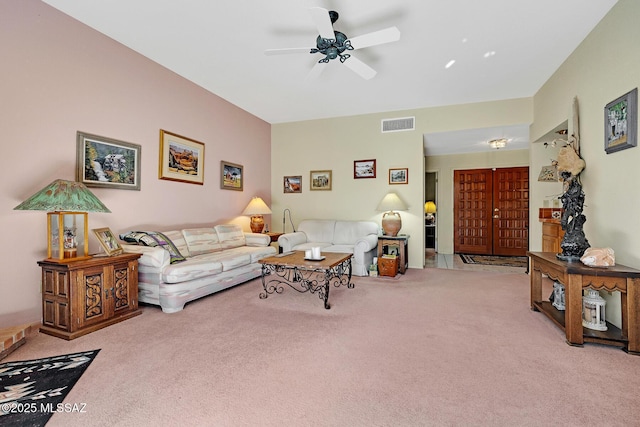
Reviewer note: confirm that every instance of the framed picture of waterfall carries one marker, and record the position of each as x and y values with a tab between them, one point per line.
107	163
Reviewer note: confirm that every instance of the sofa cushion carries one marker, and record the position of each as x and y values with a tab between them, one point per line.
178	240
230	235
341	249
318	230
348	232
153	239
193	268
201	240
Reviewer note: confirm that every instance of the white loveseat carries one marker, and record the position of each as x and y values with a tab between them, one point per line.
359	238
179	266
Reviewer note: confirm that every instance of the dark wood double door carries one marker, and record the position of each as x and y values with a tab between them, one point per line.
491	211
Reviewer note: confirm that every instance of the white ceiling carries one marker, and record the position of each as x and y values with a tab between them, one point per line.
503	49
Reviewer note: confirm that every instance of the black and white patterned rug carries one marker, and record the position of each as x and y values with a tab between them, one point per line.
31	391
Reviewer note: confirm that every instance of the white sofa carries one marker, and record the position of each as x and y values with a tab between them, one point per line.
359	238
179	266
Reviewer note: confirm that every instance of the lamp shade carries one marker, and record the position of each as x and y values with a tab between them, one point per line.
430	208
391	202
256	206
63	195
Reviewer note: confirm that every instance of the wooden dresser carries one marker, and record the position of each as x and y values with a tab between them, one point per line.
552	232
84	296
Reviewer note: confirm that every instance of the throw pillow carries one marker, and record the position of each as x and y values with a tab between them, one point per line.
153	239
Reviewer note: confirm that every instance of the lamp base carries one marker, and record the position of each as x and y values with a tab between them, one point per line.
391	223
68	260
257	223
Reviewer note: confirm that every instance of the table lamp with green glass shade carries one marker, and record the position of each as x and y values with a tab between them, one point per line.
67	227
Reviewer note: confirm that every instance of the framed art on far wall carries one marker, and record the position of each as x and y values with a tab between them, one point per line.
621	122
399	176
364	169
107	163
181	158
231	176
108	241
320	180
292	184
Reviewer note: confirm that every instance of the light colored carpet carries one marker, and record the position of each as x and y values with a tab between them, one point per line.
435	347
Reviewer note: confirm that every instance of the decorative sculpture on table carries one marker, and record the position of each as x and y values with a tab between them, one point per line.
570	165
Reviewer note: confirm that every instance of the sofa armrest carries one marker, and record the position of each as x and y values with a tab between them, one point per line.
289	240
257	239
154	257
366	243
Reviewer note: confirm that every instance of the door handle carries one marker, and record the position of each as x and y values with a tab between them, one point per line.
496	216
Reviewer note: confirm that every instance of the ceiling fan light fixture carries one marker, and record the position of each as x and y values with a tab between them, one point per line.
498	143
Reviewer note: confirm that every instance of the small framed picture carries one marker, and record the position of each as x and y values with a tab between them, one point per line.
364	169
320	180
231	177
107	163
621	123
292	184
399	176
108	241
181	158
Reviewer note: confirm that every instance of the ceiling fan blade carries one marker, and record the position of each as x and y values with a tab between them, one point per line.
388	35
316	71
323	22
360	68
287	50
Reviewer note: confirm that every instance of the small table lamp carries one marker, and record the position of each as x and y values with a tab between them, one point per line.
256	208
391	220
429	210
68	203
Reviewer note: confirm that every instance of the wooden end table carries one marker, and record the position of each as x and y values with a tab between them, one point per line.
401	242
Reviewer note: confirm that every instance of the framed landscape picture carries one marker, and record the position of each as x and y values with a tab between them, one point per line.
231	177
107	163
364	169
320	180
181	158
292	184
399	176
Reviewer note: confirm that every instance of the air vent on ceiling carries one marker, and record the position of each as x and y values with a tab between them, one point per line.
398	125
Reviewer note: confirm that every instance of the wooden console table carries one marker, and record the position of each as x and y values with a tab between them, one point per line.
575	277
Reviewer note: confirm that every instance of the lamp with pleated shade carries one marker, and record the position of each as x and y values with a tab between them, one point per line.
391	220
67	227
256	208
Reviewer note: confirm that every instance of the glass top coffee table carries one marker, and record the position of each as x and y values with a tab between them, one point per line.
305	275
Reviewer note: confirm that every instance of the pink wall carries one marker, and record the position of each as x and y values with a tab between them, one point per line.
58	77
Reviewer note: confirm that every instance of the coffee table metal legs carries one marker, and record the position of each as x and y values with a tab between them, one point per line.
305	280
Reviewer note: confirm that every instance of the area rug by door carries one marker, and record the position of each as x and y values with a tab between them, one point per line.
31	391
506	261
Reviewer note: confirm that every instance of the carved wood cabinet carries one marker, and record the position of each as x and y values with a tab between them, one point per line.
84	296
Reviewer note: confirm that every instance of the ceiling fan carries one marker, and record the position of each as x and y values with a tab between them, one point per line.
333	44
